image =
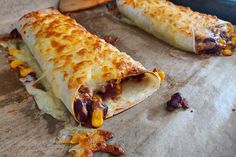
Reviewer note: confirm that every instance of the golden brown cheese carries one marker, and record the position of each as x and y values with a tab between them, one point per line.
181	18
180	26
75	52
71	57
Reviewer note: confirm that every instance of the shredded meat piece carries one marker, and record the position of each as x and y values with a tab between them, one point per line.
110	90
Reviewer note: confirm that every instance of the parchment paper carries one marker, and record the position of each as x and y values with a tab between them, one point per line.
207	129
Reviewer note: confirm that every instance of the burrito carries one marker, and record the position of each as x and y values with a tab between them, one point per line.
92	78
180	26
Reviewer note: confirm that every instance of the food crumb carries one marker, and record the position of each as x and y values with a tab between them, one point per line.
176	101
233	109
110	39
191	111
184	104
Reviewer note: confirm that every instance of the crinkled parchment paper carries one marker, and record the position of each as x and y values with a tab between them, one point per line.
207	128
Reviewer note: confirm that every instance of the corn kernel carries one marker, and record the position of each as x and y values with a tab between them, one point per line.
25	71
97	117
13	52
161	74
222	41
234	35
228	47
227	52
118	88
230	27
234	40
15	63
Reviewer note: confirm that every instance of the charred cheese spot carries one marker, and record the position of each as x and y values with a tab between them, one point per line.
82	52
80	80
72	83
121	64
65	74
55	43
80	65
52	34
68	37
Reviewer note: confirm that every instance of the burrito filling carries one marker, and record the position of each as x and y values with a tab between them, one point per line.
89	106
220	42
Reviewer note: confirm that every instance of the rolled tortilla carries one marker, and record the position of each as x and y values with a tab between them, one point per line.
180	26
75	62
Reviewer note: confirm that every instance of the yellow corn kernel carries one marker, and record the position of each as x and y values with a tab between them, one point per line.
234	40
13	52
25	71
97	117
228	47
97	98
222	41
227	52
118	88
161	74
15	63
229	27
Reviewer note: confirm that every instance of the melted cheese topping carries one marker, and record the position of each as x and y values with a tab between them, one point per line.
179	18
21	58
67	48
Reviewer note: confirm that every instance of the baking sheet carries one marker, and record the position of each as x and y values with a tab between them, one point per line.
208	128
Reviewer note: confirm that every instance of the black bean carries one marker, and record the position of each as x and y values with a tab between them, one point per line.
105	110
111	5
110	92
214	51
33	74
224	36
177	96
209	40
15	34
175	102
80	110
